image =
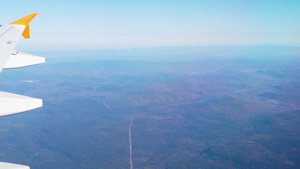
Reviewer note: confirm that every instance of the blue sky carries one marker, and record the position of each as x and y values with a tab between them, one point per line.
117	24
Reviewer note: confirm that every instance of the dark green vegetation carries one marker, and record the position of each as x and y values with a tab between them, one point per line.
201	113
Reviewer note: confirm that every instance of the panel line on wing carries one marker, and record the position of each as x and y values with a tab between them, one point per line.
6	30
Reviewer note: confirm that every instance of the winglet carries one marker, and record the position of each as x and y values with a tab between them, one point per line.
25	21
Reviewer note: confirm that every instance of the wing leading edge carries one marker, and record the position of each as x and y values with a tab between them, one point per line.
13	103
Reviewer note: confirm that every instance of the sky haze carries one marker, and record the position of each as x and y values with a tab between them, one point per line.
119	24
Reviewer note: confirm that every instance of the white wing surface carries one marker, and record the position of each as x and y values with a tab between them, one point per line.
13	103
19	59
12	166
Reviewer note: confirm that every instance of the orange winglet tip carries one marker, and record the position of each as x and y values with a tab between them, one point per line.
25	21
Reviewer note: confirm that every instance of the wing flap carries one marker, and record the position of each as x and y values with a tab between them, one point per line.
14	103
19	59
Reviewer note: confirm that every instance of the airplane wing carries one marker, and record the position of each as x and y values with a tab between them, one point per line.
14	103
